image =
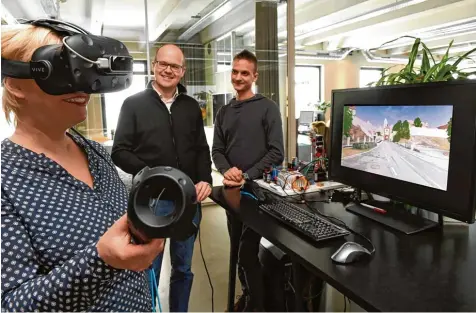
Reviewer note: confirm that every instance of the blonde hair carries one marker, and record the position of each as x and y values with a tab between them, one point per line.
18	44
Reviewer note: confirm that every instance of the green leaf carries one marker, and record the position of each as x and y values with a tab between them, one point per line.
425	64
382	79
464	56
445	57
413	55
429	52
445	73
430	73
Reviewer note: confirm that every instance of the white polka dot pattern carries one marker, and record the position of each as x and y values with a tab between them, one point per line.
50	225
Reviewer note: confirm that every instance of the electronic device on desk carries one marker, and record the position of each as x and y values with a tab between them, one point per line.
294	183
305	120
318	150
414	144
313	226
350	252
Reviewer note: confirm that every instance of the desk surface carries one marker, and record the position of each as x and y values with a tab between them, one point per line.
430	271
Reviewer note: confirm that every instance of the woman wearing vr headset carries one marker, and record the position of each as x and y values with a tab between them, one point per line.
65	240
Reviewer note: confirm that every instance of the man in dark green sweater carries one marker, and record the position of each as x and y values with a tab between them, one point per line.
248	139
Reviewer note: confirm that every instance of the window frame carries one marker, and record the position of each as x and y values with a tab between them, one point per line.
369	68
319	67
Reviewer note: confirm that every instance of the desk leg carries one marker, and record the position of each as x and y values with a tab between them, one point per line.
298	278
235	235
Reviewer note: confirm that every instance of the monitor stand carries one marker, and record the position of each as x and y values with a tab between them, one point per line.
394	217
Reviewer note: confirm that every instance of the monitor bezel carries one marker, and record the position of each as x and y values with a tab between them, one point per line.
458	202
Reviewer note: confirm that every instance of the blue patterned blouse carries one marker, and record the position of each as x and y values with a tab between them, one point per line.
51	223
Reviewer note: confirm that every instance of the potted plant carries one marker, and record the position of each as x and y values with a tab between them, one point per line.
431	69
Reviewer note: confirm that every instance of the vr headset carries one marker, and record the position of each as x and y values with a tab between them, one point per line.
82	63
96	64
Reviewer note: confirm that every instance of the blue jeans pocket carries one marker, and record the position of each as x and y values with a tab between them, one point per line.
162	207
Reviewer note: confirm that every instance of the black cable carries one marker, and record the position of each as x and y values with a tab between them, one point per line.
345	304
342	224
205	263
315	296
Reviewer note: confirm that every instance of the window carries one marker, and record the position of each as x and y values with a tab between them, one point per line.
369	75
224	56
113	101
308	95
308	88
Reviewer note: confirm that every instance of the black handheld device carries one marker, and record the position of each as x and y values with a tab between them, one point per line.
156	184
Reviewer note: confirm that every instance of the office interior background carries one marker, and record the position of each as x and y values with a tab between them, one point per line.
305	48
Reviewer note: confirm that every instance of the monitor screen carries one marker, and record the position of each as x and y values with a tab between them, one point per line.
405	142
415	144
306	117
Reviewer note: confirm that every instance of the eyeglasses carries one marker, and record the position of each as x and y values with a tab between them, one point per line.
161	65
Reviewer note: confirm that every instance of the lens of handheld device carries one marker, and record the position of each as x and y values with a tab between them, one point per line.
162	204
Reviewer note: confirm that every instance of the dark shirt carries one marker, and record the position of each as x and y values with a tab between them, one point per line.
248	134
148	134
51	223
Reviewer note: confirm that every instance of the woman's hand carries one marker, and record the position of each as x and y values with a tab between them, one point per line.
115	248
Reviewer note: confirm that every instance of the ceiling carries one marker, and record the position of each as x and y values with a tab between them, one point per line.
320	25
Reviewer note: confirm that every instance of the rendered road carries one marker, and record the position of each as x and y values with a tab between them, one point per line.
392	160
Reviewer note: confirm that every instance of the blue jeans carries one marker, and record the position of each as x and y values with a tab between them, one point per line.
181	253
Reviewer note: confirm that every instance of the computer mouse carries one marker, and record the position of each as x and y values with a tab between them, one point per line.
349	252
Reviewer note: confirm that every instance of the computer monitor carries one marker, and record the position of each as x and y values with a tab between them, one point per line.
306	117
412	143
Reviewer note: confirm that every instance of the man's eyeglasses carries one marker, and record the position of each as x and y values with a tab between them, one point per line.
161	65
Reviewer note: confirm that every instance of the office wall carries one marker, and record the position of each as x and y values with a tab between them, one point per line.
344	73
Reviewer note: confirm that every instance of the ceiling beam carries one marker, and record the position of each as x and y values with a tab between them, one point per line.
410	19
437	42
324	12
240	15
221	11
414	25
166	16
310	13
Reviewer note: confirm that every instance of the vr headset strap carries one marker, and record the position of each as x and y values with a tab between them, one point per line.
15	69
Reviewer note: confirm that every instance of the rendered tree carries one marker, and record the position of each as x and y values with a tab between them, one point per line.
448	130
417	122
347	121
405	130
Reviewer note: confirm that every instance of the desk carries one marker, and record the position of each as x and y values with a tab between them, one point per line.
431	271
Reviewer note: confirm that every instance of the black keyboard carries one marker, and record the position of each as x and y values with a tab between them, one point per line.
311	225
